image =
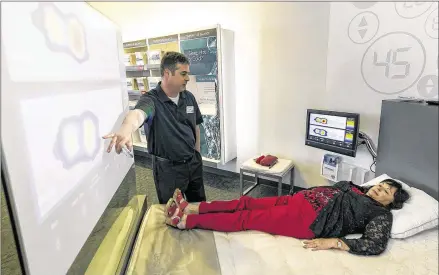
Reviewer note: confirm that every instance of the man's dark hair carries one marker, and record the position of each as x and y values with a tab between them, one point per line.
170	60
400	196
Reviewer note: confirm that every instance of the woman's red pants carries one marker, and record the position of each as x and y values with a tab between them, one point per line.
287	216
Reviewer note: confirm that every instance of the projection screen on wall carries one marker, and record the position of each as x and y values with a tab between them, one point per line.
62	76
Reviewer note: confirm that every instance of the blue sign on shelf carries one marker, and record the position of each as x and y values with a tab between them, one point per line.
202	61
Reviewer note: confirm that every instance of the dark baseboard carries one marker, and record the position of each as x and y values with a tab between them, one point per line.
220	172
266	182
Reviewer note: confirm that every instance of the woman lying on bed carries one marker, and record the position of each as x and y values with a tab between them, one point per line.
323	215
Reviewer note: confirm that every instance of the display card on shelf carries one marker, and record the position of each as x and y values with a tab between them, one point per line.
164	43
141	83
140	58
130	84
154	57
127	59
204	90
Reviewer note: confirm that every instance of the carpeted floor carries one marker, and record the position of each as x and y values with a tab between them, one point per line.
218	187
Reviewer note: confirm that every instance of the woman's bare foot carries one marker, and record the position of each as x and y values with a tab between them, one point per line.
192	209
182	223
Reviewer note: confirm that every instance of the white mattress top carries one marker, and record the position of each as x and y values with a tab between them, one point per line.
257	253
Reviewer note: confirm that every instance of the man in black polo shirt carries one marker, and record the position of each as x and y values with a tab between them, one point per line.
173	117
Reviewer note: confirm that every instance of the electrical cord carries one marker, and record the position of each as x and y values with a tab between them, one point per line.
365	139
373	163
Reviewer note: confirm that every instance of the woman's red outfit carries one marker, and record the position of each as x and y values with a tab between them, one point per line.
319	212
287	215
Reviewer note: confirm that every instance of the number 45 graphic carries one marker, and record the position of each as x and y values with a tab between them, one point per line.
391	60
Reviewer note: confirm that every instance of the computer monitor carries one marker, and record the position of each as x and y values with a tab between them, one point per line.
333	131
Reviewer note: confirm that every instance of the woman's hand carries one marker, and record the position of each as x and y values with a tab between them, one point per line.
320	244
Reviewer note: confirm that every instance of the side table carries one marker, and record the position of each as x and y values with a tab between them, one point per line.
277	173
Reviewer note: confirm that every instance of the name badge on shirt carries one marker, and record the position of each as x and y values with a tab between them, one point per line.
189	109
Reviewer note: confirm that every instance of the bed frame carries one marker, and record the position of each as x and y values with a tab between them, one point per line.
160	248
408	144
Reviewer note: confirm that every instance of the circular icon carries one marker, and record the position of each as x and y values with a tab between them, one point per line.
432	24
427	86
393	63
363	27
409	10
363	5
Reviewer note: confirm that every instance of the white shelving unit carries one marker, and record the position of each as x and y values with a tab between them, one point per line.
136	71
220	123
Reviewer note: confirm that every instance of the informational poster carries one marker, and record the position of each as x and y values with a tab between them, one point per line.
203	61
201	49
330	166
203	87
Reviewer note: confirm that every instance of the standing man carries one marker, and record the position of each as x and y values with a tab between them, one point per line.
173	116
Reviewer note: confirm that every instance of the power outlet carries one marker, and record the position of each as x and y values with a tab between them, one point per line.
358	175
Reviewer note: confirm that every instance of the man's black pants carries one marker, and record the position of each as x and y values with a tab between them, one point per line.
187	176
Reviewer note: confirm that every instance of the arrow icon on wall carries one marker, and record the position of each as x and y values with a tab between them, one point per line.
429	86
362	27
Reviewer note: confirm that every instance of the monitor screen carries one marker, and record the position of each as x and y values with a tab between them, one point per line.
332	131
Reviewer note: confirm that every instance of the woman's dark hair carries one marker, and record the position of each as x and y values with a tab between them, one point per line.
400	196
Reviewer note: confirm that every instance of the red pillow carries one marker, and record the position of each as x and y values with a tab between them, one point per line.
269	160
258	160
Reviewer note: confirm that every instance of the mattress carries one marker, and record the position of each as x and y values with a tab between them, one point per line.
160	249
259	253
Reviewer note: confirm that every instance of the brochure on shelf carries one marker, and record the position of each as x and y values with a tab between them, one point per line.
140	58
141	83
130	84
127	59
154	57
204	90
212	78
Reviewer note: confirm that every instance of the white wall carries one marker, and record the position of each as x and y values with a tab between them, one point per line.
284	65
292	67
140	20
354	83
